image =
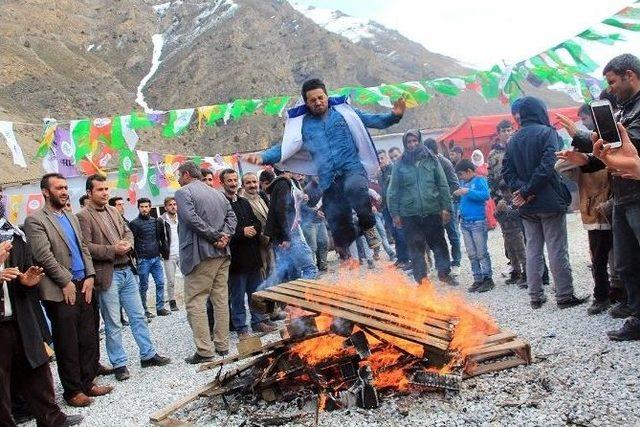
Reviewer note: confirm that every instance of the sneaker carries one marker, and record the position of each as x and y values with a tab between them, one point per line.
628	332
196	359
370	264
572	302
486	285
455	271
474	287
121	373
163	312
264	327
373	240
598	307
149	314
173	305
620	311
536	304
448	280
156	360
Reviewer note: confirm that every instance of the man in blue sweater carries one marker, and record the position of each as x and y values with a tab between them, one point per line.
328	138
474	193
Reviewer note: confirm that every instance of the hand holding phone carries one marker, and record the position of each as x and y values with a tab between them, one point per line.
606	123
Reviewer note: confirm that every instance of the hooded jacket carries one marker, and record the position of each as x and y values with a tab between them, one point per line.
418	184
528	165
282	211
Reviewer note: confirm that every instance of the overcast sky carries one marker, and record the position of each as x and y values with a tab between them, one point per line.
482	33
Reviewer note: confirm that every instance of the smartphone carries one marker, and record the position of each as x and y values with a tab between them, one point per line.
606	123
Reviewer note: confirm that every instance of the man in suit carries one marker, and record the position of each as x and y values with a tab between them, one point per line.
110	242
206	223
24	362
66	290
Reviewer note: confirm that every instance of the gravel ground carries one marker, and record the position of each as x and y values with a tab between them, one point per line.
578	376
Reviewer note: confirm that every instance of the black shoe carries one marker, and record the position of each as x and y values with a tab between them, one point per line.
196	359
522	282
448	280
598	307
149	314
156	360
513	279
163	312
572	302
620	311
222	353
474	287
121	373
103	370
72	420
173	305
536	304
124	321
630	331
486	285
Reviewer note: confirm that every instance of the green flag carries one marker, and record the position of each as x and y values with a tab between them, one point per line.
140	120
415	93
80	130
276	105
126	161
152	180
608	39
366	96
244	107
178	122
582	60
631	26
444	86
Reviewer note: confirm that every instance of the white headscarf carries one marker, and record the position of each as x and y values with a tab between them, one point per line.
477	158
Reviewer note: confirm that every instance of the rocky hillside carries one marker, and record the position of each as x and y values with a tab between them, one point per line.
90	58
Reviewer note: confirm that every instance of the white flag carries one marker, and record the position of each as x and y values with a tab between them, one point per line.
144	162
6	129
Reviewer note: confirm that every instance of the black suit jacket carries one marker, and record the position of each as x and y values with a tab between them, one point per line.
27	311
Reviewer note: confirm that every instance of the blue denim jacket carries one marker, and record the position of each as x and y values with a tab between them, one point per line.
330	143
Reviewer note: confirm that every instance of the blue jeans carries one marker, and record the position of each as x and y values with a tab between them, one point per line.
239	285
475	235
453	234
383	235
153	266
360	249
317	237
123	292
402	251
626	247
294	260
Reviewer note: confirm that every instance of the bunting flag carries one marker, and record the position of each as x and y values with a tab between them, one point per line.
6	129
275	106
126	161
80	134
97	163
143	156
131	194
14	207
140	120
178	122
46	140
244	107
152	181
100	132
171	164
34	203
122	134
63	151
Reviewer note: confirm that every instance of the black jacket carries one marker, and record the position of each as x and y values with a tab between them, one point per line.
148	235
528	164
624	190
245	251
27	311
165	239
282	210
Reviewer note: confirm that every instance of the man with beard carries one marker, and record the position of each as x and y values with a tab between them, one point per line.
420	202
244	271
260	206
328	138
66	290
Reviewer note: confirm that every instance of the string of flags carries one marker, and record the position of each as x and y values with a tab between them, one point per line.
86	146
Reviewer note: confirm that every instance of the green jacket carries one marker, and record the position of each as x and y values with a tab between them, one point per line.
418	189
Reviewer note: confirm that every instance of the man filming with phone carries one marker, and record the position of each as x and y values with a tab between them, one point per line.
623	76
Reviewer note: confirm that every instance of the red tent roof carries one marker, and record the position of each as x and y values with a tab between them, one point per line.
479	131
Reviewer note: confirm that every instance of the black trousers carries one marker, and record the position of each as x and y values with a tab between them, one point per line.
34	385
75	343
423	231
600	244
347	193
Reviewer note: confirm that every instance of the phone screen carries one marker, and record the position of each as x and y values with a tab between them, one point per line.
606	123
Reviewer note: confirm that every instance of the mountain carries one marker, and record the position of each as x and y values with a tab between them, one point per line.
73	59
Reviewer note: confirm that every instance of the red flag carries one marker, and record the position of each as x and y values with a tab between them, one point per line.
34	203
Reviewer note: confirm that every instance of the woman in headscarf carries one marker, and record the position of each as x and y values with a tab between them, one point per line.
477	158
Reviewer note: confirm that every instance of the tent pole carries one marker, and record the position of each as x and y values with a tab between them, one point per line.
473	138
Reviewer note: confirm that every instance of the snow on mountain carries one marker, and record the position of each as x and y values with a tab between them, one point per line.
354	29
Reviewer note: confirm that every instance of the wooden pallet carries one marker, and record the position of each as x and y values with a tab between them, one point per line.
429	329
501	351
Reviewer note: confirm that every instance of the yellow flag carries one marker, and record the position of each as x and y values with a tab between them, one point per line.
15	206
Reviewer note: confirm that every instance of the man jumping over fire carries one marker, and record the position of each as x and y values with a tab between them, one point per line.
327	137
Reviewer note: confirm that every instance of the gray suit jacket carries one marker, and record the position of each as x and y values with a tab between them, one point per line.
203	214
52	252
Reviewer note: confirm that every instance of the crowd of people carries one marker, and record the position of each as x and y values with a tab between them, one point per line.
324	187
